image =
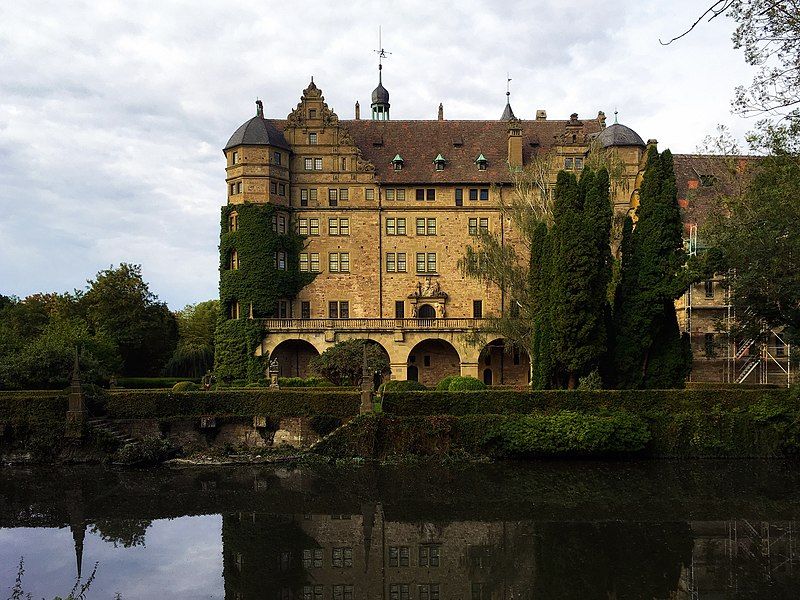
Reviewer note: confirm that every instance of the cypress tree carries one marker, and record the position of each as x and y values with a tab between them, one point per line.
540	275
648	350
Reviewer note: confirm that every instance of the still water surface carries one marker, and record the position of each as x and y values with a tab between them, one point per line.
655	529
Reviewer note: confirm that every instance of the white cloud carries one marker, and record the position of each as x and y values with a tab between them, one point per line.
113	114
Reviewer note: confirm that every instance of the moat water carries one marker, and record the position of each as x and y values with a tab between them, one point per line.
549	530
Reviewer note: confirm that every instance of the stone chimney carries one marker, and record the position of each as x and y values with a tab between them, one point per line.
601	118
358	111
259	109
515	143
441	111
541	115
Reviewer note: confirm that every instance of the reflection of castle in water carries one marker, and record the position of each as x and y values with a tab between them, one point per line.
370	556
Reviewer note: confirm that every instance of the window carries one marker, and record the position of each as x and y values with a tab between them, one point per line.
312	592
473	226
283	309
312	113
429	555
239	187
303	197
399	591
344	310
333	197
431	262
484	193
420	194
344	194
302	226
569	163
478	224
426	263
578	164
401	226
333	309
401	194
483	224
342	557
429	591
430	194
234	157
426	360
313	227
308	164
312	138
459	197
344	164
343	592
369	194
280	261
314	256
273	187
233	310
391	262
276	158
709	285
281	189
477	309
233	221
338	309
395	226
426	226
309	262
420	226
431	227
399	309
339	262
281	224
344	226
312	194
420	262
473	193
401	262
333	226
305	313
318	164
304	262
275	223
233	189
399	556
398	166
234	263
709	345
390	194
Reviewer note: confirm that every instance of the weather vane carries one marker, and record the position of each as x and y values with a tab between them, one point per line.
381	53
508	85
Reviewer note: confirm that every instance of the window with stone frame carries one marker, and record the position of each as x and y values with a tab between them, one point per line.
420	194
343	592
308	164
399	591
473	193
484	193
333	226
302	226
318	164
342	558
304	197
428	591
304	262
273	187
344	194
239	187
312	194
312	137
459	195
233	265
314	262
333	197
401	262
430	194
277	157
429	555
399	556
305	313
391	262
313	227
281	189
312	592
391	228
578	164
472	226
369	194
234	157
569	163
233	221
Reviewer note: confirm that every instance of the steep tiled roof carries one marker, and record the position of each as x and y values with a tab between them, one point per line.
459	142
619	135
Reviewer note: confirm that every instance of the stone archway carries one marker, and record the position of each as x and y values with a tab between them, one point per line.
293	357
505	365
434	359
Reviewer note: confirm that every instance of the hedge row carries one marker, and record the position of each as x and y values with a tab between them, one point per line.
717	434
33	406
521	402
163	404
147	383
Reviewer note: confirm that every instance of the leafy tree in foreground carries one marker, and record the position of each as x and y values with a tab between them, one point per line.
649	351
194	354
342	364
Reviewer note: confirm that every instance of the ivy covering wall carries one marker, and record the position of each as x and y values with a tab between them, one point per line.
256	283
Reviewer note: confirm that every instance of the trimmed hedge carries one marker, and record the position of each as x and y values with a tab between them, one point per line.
643	402
164	404
37	406
148	383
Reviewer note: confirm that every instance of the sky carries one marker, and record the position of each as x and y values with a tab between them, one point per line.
113	114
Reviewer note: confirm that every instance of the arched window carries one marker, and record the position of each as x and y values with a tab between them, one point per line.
426	311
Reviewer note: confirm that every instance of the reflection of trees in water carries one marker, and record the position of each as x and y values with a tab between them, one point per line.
122	532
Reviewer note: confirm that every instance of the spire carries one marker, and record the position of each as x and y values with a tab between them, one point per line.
441	111
508	114
380	96
78	536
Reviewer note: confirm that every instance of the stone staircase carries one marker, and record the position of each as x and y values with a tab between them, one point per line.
108	427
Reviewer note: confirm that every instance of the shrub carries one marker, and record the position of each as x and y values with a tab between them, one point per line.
303	382
146	383
324	424
395	385
444	384
342	363
185	386
148	451
463	384
591	382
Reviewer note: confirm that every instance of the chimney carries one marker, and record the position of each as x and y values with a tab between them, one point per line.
259	109
541	115
441	111
601	118
515	143
358	111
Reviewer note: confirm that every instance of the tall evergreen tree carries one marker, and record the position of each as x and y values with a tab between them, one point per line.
649	351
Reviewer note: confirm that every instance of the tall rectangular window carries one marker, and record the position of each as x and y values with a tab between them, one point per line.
344	309
399	591
569	163
333	226
390	226
305	313
304	262
344	226
308	164
302	226
477	309
431	262
283	309
333	262
333	309
431	227
459	197
276	158
312	194
420	226
430	194
281	224
391	262
318	164
420	262
314	262
484	194
312	137
333	197
401	262
273	187
429	591
390	194
313	227
401	226
578	164
473	226
234	157
344	194
709	285
399	309
484	224
344	262
473	193
369	194
281	261
304	197
400	194
420	194
281	189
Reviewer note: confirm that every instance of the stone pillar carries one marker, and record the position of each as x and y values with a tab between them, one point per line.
399	370
76	413
470	369
274	370
367	388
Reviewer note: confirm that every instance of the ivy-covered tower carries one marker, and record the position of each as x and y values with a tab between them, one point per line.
259	273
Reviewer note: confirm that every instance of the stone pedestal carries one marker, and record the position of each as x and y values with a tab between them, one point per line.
366	402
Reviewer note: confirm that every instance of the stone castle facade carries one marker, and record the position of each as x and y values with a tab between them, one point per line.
387	208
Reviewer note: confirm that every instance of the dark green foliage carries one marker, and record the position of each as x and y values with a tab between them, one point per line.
34	407
194	355
258	281
648	350
119	304
163	404
142	383
234	353
185	386
148	451
324	424
342	363
444	384
401	385
303	382
463	384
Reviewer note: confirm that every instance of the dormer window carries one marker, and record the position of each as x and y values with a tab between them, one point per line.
439	161
397	161
481	162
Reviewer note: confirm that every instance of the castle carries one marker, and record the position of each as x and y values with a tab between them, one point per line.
387	208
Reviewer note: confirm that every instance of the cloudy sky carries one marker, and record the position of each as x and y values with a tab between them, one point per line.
113	114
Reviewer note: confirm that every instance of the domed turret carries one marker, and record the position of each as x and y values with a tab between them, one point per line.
257	132
619	135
